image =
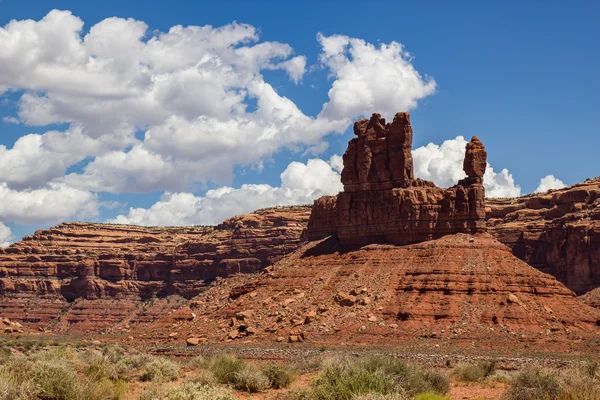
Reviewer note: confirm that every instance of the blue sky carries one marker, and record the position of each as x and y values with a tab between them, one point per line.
521	77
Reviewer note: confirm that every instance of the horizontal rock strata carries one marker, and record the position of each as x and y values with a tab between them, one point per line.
457	287
43	273
557	232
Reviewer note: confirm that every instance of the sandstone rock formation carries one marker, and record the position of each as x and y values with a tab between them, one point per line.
81	267
459	288
380	157
475	161
592	298
557	232
382	202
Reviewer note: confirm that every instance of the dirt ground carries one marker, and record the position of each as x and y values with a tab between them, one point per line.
478	391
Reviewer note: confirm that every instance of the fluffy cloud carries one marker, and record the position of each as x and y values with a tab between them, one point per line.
147	110
197	94
370	78
300	184
55	203
6	235
549	182
443	164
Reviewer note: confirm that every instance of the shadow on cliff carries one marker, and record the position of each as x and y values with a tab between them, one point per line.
331	245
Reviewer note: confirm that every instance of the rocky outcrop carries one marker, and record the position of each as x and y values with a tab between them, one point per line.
380	157
475	161
557	232
43	275
591	298
383	203
460	288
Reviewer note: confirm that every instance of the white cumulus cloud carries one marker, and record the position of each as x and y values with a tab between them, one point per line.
6	235
300	184
549	182
53	204
197	94
443	165
148	110
370	78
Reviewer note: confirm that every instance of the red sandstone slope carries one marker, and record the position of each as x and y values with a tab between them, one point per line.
457	287
92	262
557	232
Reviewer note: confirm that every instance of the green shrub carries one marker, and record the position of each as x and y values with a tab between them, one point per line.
251	380
13	389
408	378
145	367
204	377
474	373
343	381
114	354
297	394
187	391
55	379
306	365
577	384
160	370
152	393
97	367
431	396
225	366
591	368
55	353
280	376
17	368
199	362
378	396
534	384
500	376
129	367
344	377
468	373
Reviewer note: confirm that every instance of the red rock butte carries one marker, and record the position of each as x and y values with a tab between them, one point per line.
382	202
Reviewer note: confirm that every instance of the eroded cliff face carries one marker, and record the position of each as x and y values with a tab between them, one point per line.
73	269
457	289
382	202
557	232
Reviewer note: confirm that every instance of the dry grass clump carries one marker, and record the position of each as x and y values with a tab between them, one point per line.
546	384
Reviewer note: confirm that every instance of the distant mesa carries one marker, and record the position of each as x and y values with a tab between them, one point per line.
382	202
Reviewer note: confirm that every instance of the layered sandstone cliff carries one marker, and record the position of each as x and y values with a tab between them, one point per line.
383	202
460	288
84	265
557	232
